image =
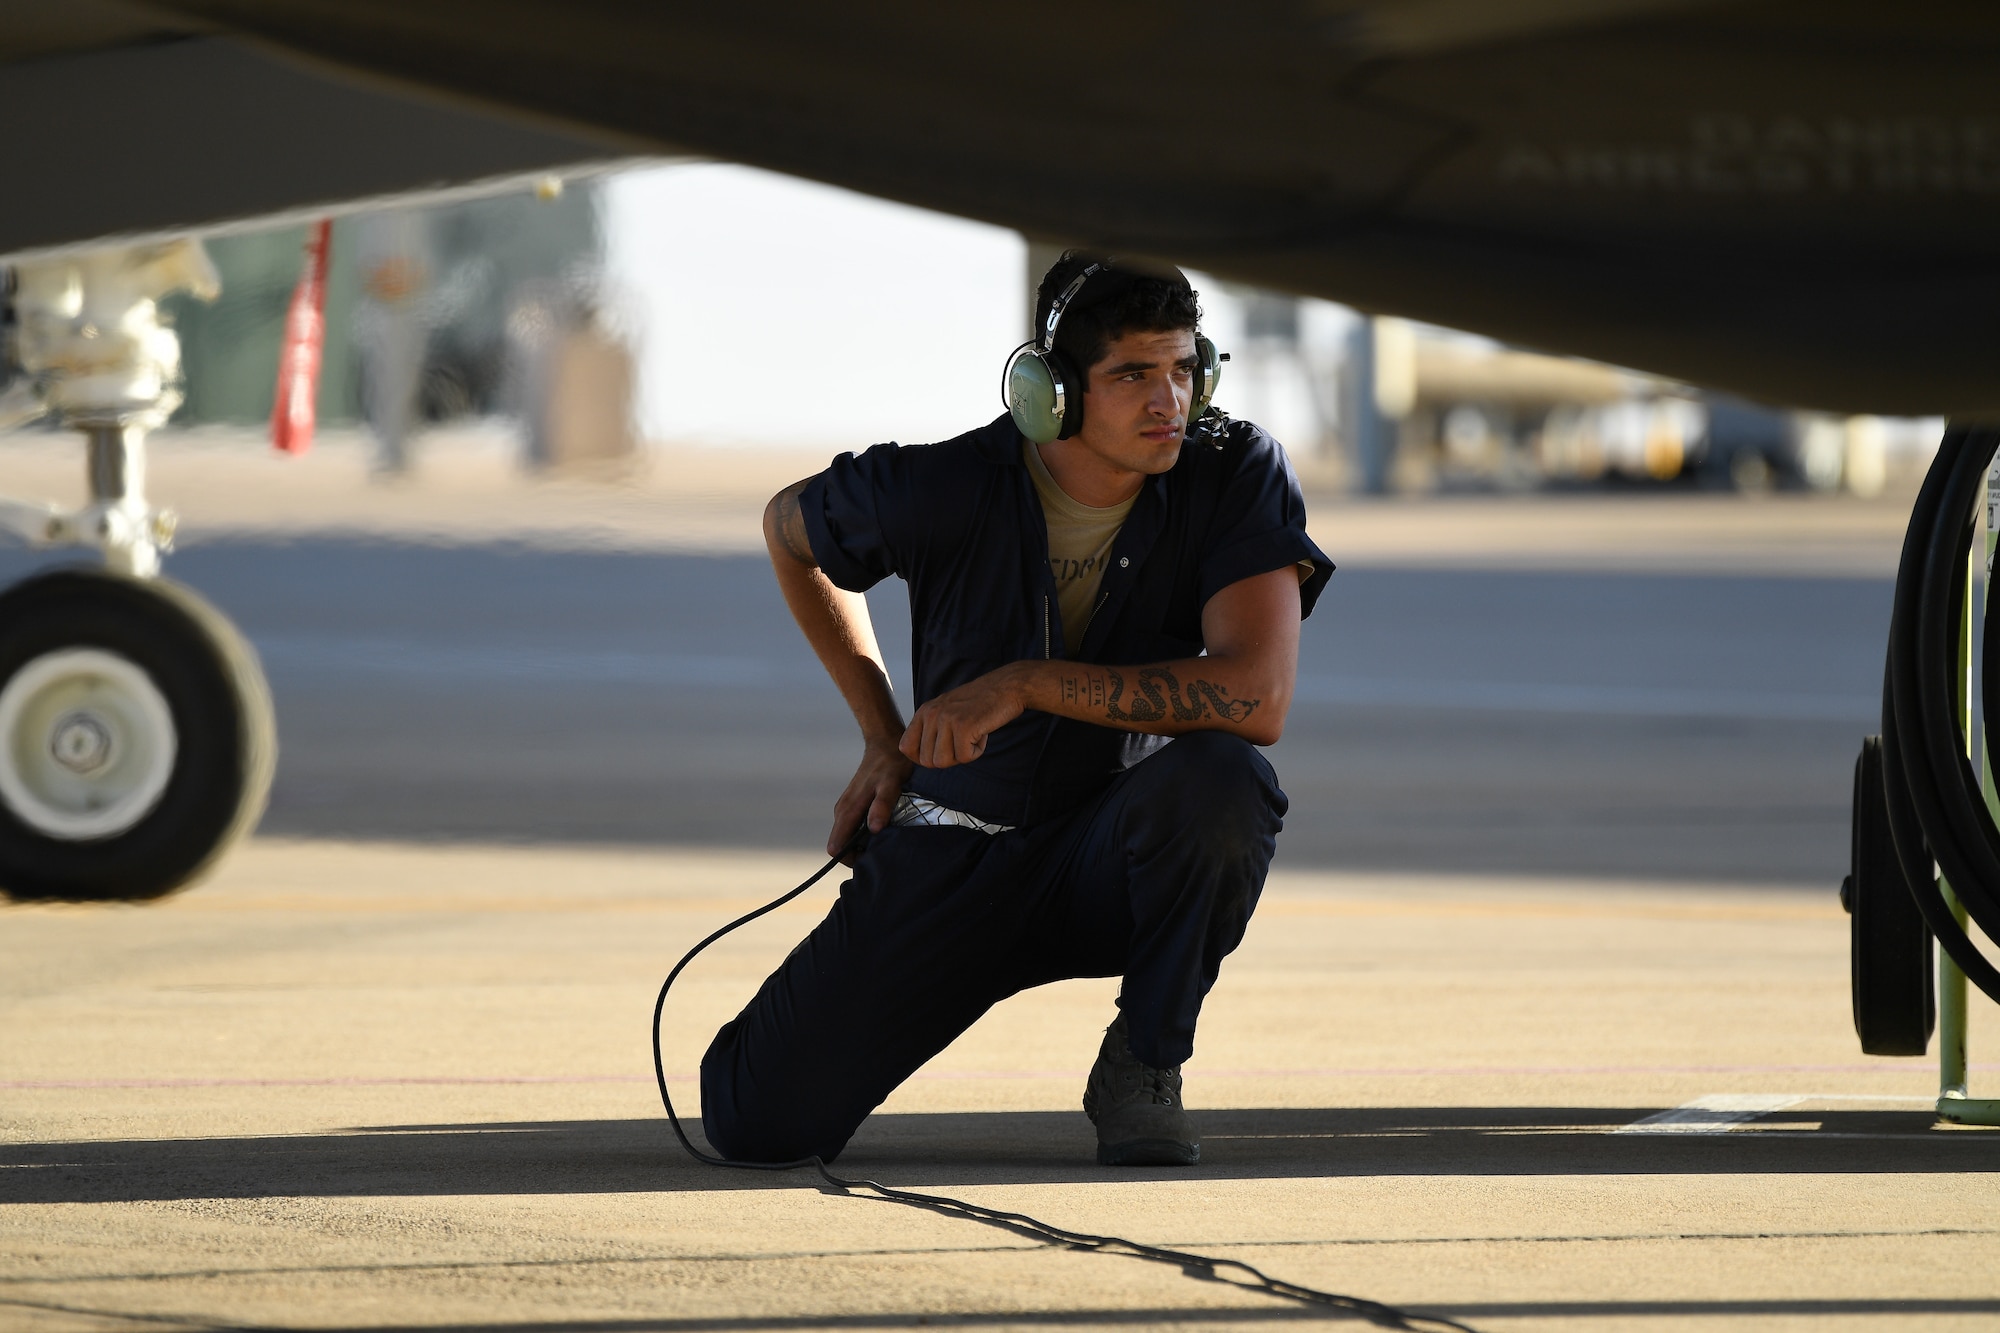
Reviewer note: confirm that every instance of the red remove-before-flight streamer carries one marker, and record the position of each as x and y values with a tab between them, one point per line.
292	411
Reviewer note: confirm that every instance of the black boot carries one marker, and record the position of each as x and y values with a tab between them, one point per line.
1137	1108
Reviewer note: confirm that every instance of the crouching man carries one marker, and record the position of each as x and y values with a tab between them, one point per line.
1105	627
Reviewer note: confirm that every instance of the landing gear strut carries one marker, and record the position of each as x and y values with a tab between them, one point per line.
137	740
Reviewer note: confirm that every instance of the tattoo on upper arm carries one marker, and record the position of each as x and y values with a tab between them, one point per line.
1156	695
792	524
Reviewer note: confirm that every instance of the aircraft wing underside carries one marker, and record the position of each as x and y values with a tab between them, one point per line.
1796	199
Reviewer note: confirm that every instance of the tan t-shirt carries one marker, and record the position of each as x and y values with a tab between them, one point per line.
1080	540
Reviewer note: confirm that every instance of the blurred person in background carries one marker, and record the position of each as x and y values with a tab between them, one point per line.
1105	628
392	330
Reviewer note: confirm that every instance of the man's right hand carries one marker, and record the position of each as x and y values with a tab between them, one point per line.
870	796
835	621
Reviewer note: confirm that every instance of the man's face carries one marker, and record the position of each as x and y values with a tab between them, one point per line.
1136	410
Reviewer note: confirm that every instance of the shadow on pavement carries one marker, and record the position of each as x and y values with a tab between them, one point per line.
974	1148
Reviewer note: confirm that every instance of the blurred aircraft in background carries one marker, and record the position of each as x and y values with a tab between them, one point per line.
1793	200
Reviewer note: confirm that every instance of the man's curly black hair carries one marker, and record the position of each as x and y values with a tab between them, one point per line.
1131	299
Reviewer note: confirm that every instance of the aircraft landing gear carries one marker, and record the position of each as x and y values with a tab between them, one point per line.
137	740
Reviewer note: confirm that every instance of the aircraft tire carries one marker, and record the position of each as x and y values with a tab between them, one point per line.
137	739
1895	1004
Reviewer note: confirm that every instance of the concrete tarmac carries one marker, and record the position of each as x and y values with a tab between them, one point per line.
1543	1023
354	1085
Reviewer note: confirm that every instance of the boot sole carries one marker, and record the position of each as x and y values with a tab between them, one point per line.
1149	1152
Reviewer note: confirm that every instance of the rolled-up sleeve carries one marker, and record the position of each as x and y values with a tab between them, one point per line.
855	514
1260	525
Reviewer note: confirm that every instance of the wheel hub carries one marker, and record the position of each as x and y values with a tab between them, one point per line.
82	743
87	744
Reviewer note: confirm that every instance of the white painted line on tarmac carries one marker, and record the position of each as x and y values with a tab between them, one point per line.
1716	1113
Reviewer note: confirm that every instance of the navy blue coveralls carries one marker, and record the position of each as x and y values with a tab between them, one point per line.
1131	856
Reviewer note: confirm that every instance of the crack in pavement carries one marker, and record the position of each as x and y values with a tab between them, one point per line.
449	1265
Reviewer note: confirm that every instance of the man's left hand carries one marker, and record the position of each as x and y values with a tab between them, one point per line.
952	728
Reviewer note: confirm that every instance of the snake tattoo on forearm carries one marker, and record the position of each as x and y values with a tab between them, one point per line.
1157	694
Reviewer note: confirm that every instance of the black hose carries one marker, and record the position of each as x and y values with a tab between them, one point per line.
1937	812
1194	1265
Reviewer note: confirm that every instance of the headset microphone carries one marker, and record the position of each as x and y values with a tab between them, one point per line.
1043	389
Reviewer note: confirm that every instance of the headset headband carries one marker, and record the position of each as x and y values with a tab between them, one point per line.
1110	267
1047	341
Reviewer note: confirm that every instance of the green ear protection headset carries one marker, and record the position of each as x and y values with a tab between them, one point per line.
1043	389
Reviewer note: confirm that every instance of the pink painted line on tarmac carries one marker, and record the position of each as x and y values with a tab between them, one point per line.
341	1082
970	1075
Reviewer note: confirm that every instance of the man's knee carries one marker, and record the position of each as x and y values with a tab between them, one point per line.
1214	785
746	1127
722	1120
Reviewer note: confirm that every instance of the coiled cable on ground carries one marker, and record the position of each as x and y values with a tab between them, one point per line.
1232	1271
1938	816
